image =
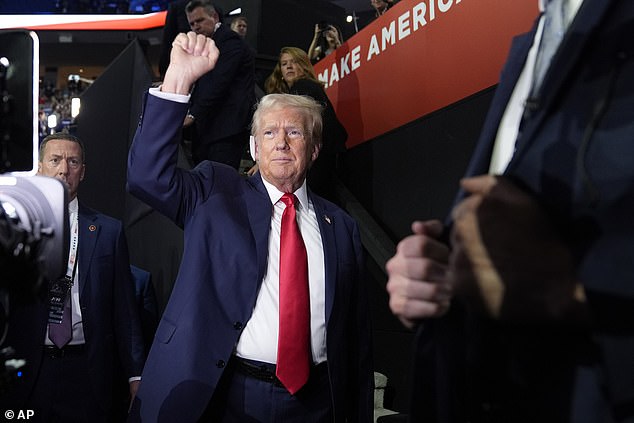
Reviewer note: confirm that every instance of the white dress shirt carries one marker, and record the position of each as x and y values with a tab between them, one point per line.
259	338
76	319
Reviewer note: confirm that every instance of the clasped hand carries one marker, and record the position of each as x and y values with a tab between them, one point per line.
418	283
507	260
192	56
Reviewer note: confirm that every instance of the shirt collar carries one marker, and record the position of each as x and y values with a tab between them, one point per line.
573	5
274	194
73	206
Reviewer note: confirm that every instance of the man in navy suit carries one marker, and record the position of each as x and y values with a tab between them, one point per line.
222	100
74	382
215	351
541	326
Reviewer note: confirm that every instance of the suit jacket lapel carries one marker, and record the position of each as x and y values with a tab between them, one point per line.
481	158
588	17
88	235
517	56
328	239
259	211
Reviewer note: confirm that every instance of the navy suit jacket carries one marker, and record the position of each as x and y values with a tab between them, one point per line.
147	304
110	319
574	155
226	219
222	100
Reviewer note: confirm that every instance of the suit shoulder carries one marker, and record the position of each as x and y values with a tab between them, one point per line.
329	208
228	40
224	177
224	33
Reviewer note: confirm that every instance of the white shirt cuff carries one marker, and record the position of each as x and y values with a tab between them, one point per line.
179	98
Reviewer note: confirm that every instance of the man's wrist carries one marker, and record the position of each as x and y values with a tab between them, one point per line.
175	83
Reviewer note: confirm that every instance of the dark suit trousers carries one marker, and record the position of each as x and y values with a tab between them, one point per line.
62	391
240	398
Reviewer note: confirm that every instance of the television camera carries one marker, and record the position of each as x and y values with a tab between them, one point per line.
33	209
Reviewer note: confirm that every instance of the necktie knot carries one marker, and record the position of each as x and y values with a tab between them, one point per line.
554	28
288	199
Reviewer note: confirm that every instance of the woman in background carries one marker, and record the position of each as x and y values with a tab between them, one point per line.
327	39
294	74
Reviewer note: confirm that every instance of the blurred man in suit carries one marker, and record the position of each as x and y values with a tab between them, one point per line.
223	336
539	255
541	325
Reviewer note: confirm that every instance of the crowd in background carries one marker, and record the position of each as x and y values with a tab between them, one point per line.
55	104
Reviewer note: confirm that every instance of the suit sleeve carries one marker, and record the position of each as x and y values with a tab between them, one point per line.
153	175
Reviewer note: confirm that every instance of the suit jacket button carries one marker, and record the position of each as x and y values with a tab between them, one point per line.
220	364
237	325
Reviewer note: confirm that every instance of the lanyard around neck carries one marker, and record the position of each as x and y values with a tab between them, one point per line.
71	269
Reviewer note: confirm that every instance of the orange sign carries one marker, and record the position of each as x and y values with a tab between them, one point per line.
419	57
84	22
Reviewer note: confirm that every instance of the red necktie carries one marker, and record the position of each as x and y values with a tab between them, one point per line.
293	346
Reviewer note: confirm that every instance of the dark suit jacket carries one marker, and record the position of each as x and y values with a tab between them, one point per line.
574	154
110	318
222	100
175	23
226	219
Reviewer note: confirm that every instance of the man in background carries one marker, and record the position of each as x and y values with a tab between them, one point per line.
222	101
535	291
72	351
239	25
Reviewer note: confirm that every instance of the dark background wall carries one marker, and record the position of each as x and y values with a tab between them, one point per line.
109	113
413	171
